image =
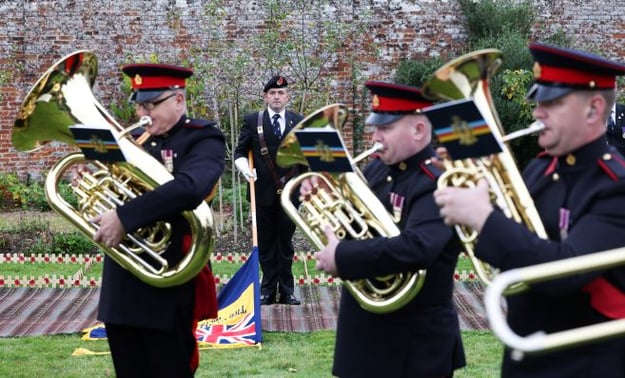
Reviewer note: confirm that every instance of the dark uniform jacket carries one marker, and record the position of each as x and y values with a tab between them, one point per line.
616	133
264	186
198	150
421	339
589	186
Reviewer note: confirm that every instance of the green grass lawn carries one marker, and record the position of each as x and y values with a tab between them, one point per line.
281	355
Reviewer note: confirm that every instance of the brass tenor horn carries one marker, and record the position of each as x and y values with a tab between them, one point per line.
61	98
541	342
468	76
351	208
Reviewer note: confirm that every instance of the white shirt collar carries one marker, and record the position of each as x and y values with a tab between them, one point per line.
271	113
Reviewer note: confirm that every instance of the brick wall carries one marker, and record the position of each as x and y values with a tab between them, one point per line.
35	34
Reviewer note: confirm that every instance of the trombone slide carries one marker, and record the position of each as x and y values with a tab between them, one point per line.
540	341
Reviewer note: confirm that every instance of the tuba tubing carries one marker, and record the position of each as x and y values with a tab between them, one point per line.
541	342
351	209
61	98
468	76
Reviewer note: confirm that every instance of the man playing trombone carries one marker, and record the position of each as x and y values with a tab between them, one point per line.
578	186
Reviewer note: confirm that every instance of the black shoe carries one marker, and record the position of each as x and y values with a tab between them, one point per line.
289	299
266	299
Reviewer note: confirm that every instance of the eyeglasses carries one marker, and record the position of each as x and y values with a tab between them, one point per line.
149	106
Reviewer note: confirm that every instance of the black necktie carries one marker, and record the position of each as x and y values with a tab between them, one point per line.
276	125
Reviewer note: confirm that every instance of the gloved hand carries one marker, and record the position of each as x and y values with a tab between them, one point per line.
243	166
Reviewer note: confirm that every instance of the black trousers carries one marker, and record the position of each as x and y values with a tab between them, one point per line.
275	249
144	352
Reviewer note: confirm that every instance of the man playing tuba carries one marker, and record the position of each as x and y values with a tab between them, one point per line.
151	330
422	338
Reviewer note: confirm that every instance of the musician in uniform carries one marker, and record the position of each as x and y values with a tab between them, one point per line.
578	187
151	330
422	338
262	133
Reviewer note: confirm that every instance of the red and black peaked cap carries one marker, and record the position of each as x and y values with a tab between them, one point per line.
390	101
559	71
149	80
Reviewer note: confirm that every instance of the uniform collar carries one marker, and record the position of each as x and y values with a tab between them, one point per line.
181	122
271	113
586	154
412	162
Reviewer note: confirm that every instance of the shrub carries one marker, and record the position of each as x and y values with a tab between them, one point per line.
18	195
73	243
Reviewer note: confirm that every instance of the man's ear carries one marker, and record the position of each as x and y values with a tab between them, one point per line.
597	103
419	129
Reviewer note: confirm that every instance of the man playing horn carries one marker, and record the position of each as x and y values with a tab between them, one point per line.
151	330
422	338
578	186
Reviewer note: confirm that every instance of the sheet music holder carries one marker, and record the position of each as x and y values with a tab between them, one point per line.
97	143
324	149
460	127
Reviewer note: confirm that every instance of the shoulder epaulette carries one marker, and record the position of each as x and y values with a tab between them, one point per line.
198	123
430	169
543	155
545	163
613	165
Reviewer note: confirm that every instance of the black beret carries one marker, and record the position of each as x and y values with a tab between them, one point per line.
276	82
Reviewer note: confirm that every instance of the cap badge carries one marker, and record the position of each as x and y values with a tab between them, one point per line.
138	80
280	80
375	102
537	70
592	84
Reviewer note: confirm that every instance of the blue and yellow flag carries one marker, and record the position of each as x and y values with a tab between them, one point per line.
238	323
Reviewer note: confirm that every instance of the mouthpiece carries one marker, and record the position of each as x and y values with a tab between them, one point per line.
143	121
375	148
534	127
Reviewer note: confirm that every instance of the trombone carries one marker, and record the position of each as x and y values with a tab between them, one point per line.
541	342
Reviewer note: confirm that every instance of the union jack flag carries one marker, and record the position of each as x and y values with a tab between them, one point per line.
240	333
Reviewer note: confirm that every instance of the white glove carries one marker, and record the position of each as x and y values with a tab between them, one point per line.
243	166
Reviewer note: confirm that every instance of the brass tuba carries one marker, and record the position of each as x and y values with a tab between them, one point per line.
468	76
351	208
61	98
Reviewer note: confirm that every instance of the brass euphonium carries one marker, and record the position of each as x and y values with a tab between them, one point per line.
541	342
468	76
61	98
350	208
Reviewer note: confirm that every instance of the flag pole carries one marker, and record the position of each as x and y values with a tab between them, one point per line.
252	201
